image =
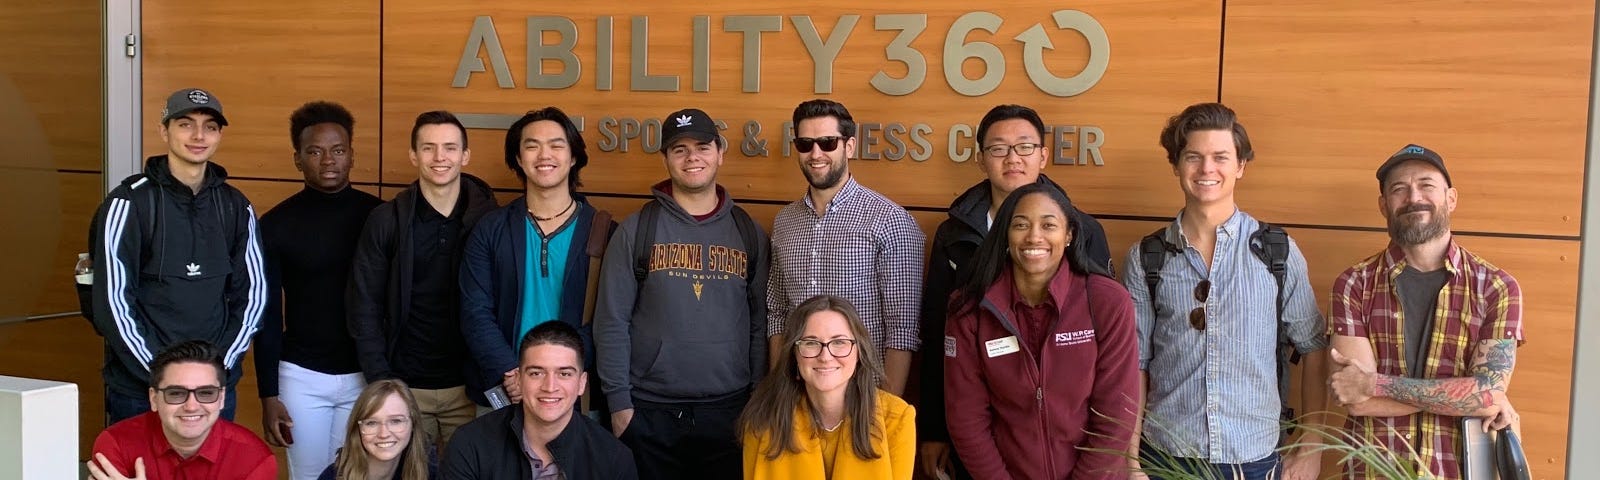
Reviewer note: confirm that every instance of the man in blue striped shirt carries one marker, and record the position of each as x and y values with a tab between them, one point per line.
1207	338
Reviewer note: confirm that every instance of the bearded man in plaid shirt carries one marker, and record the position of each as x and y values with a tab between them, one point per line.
1424	332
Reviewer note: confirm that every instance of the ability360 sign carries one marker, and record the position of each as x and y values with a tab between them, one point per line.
899	140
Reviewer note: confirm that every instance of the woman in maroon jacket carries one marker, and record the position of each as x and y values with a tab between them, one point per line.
1041	362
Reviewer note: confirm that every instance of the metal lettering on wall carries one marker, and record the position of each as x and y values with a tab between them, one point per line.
1072	144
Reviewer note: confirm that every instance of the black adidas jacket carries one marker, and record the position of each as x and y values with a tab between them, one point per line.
954	243
378	295
174	265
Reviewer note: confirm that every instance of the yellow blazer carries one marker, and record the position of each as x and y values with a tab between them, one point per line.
897	449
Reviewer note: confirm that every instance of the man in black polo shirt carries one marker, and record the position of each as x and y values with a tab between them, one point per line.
403	297
305	359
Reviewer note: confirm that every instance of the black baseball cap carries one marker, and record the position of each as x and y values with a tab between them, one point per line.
1413	152
187	100
691	122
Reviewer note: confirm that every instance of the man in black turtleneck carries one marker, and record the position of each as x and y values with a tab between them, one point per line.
305	358
1011	152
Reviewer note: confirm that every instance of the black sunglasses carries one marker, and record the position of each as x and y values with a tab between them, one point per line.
1197	317
804	144
179	395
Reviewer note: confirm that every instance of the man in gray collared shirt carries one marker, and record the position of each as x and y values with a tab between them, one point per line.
1208	349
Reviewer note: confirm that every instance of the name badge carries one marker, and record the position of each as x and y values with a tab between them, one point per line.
1002	346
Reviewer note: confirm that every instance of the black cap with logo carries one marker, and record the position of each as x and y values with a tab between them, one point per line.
1413	152
187	100
691	122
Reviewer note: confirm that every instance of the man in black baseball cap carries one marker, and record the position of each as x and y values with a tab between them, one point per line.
1425	332
180	256
690	264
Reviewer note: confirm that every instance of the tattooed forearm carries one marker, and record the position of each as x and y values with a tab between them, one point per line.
1458	396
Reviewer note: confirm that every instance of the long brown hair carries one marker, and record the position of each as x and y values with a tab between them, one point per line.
770	413
352	461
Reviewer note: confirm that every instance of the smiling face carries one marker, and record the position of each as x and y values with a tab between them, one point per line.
189	422
1037	236
1417	202
439	154
1011	171
824	169
826	372
692	163
1208	167
552	379
391	430
545	157
325	157
193	137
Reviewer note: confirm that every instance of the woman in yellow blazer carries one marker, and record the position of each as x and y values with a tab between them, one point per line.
819	413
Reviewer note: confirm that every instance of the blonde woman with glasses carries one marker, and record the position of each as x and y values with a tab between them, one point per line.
382	442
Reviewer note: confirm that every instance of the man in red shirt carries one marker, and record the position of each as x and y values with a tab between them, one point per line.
182	438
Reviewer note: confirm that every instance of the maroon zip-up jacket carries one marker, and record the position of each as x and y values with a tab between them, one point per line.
1024	414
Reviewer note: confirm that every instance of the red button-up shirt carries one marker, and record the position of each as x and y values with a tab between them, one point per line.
229	452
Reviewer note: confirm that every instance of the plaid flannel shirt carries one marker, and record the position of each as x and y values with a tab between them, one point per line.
1479	302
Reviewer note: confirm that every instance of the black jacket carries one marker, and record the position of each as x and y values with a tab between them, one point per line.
174	265
954	243
379	292
491	447
492	283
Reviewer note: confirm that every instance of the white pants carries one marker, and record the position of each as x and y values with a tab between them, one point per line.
320	406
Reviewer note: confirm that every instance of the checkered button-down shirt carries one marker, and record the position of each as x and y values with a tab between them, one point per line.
864	248
1478	302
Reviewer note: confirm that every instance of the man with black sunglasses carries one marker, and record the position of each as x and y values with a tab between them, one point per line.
846	240
182	436
1208	317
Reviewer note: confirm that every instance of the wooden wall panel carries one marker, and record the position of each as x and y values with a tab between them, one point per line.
262	60
1145	82
1331	89
51	55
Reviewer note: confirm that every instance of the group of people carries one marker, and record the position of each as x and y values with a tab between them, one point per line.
443	335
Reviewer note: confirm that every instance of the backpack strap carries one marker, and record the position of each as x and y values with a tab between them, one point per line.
1153	250
747	234
599	238
644	235
1270	244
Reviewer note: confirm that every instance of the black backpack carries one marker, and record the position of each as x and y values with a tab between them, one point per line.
644	235
1270	244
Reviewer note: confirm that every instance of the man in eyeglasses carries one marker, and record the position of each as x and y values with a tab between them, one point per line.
846	240
1011	154
1209	332
182	436
679	322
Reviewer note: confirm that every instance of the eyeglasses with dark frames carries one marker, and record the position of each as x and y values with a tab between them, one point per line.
838	347
828	143
179	395
1197	317
1021	149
